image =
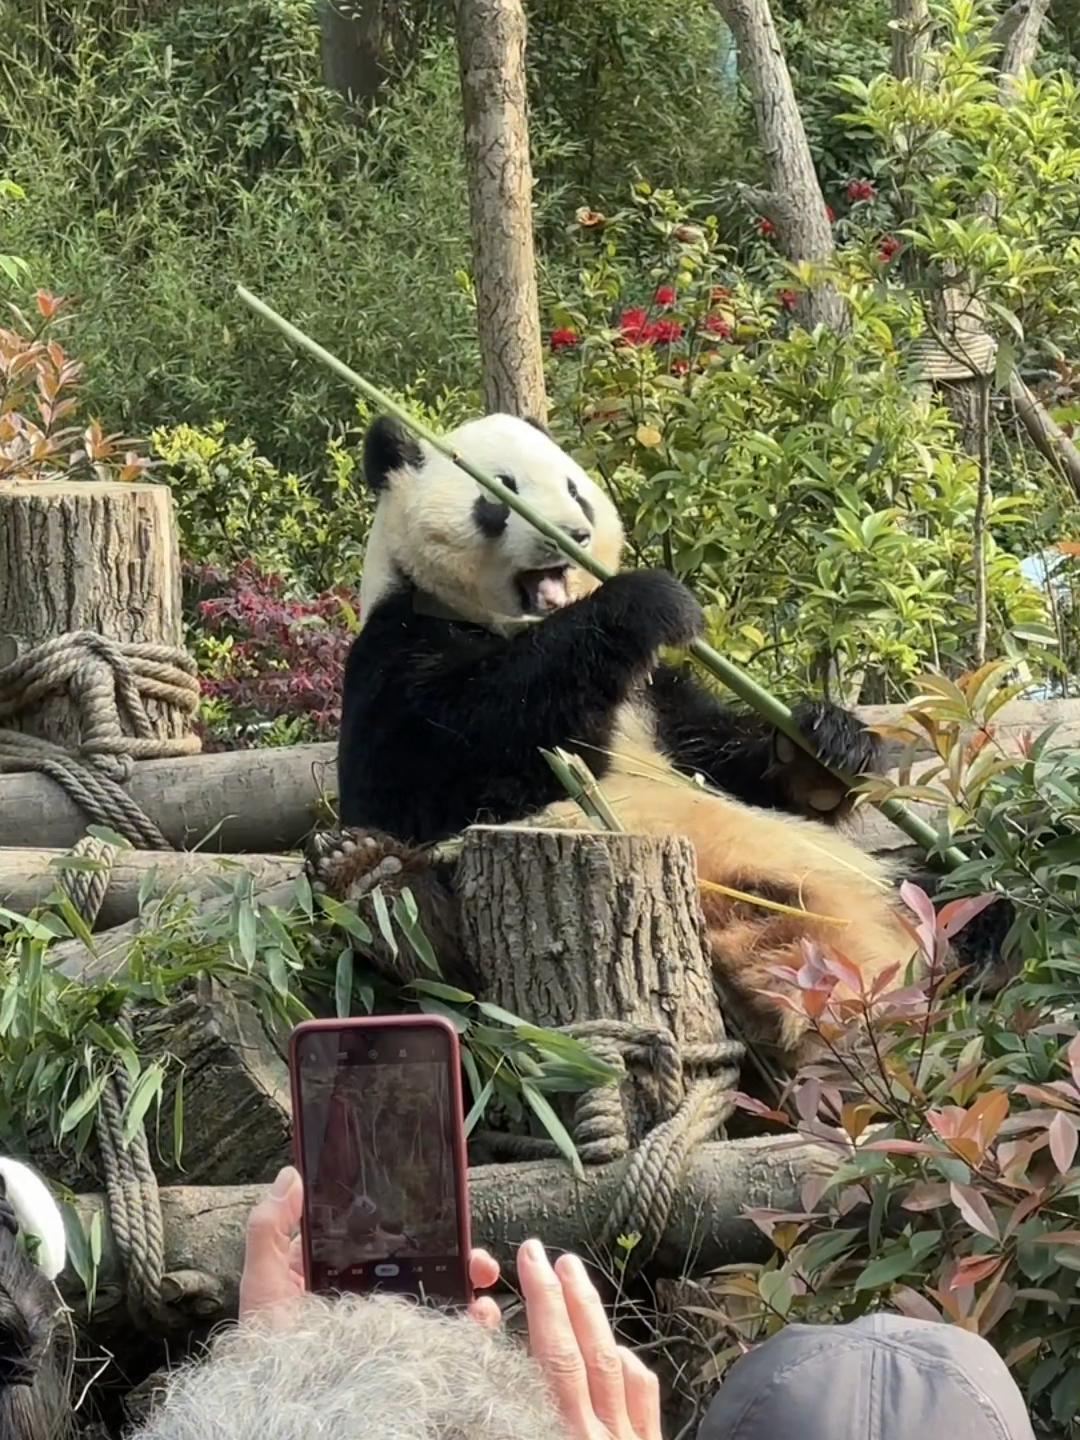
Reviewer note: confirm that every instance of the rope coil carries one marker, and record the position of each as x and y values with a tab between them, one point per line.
695	1095
108	684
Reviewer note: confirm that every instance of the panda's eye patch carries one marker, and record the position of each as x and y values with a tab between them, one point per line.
586	509
508	481
490	517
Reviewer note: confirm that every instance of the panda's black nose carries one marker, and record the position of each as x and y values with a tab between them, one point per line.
580	537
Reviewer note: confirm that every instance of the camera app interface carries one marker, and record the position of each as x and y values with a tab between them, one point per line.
377	1119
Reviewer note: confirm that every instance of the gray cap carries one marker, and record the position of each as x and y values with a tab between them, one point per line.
883	1377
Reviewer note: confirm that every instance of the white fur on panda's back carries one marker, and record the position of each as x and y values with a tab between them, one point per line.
424	525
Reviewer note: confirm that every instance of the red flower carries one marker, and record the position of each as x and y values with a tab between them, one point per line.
717	325
860	190
665	331
680	366
829	214
887	247
564	339
765	226
665	296
633	326
787	298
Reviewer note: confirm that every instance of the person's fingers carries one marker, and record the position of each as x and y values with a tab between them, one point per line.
486	1312
642	1396
596	1341
267	1277
552	1342
296	1256
483	1270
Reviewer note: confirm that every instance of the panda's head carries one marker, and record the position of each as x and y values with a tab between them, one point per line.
439	530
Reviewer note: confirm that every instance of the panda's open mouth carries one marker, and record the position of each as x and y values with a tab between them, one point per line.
543	590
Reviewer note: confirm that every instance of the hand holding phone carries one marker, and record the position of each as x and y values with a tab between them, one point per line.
379	1135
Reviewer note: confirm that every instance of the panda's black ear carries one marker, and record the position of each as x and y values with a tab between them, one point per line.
388	447
538	425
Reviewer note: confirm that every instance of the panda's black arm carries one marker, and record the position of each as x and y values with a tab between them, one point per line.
737	751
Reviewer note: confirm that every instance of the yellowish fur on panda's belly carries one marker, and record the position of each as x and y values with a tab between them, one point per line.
844	897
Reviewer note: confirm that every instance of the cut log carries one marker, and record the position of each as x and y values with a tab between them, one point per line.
260	800
235	1111
98	556
204	1228
564	926
28	877
268	800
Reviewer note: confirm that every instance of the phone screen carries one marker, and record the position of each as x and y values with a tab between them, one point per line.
378	1113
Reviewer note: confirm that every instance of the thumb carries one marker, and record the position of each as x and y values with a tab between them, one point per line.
275	1218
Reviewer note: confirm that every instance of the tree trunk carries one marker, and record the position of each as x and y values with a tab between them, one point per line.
491	51
564	926
353	48
1017	33
204	1227
260	800
28	877
910	39
793	202
97	556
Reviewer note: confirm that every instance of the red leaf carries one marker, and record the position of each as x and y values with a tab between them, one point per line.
972	1269
957	913
1057	1237
808	1099
901	1147
1063	1137
927	1197
919	903
1073	1056
975	1210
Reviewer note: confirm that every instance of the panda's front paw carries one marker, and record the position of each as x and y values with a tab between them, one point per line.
843	743
349	865
652	605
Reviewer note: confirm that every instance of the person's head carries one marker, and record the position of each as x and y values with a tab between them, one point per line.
358	1368
883	1376
35	1348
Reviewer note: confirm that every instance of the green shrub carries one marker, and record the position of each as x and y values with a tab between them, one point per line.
164	162
811	491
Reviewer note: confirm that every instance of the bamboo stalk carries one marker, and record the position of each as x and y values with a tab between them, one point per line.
748	690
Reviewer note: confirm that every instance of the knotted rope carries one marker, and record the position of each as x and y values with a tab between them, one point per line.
108	683
131	1186
695	1085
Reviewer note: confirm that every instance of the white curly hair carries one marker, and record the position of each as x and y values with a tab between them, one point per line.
359	1368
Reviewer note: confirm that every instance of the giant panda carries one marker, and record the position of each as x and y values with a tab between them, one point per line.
480	646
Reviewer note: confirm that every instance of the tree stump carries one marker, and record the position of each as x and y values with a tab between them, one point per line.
564	927
91	556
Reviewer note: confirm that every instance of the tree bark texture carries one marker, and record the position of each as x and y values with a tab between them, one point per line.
204	1226
353	52
793	203
236	1110
28	877
491	50
564	926
1017	32
262	799
94	555
910	39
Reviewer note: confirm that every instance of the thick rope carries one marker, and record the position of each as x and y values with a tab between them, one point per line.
695	1090
134	1203
108	683
86	889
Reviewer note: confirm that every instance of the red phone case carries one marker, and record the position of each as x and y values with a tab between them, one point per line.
461	1161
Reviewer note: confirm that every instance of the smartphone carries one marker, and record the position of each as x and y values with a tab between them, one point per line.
379	1135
